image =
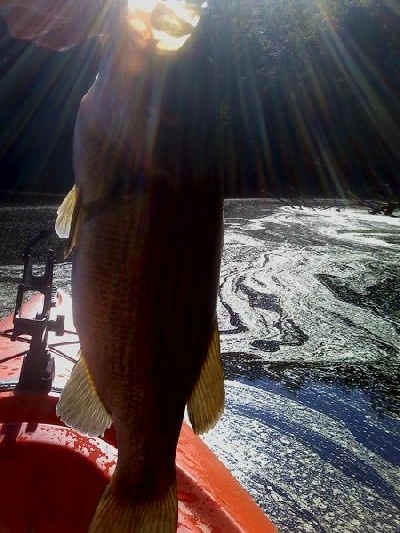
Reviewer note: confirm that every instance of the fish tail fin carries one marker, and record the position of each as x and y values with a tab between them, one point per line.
79	405
114	515
206	402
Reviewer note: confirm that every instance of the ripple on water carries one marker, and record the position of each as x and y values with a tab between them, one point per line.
306	468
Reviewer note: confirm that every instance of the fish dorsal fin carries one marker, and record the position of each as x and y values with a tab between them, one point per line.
68	219
206	402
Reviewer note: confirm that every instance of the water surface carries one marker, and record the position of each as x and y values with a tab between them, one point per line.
309	313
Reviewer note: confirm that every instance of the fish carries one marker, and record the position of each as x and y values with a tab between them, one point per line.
146	241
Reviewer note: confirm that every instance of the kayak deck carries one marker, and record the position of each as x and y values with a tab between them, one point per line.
56	476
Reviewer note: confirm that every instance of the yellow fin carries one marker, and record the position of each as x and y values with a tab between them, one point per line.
68	219
206	402
65	213
115	516
79	405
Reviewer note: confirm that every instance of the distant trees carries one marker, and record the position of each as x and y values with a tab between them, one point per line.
310	92
307	94
384	201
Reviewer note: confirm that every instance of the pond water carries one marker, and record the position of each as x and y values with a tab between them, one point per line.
309	314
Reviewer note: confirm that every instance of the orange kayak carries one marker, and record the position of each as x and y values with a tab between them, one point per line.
53	477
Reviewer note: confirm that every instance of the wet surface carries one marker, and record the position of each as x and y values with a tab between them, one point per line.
309	313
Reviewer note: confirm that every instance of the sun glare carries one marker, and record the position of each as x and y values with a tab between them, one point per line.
169	23
142	5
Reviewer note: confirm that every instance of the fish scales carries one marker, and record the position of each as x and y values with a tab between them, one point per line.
145	224
155	291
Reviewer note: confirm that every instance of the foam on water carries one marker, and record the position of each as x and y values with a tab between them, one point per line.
309	313
307	469
292	283
352	225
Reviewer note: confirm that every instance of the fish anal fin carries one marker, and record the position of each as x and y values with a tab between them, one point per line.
206	402
79	405
68	219
114	515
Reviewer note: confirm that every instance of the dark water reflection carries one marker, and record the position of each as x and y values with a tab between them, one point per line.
363	386
379	383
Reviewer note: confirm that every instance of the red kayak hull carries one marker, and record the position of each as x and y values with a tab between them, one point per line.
53	477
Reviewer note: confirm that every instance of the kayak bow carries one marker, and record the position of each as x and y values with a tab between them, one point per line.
55	476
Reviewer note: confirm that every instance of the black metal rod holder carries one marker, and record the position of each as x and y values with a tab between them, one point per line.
37	371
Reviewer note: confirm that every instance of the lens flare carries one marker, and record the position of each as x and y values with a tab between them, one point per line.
170	24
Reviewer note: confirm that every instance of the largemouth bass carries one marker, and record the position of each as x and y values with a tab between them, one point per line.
147	239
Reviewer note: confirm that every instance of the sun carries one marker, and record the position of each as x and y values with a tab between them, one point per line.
170	24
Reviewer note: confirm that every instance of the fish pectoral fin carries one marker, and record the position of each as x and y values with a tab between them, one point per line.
206	402
68	219
79	405
113	515
65	213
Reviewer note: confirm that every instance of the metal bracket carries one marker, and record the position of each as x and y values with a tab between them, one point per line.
37	371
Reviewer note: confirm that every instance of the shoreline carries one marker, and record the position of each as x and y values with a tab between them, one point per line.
27	198
373	205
